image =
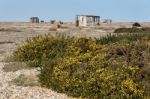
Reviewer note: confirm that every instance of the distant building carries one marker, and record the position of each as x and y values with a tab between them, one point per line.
42	21
52	21
34	20
87	20
60	22
108	21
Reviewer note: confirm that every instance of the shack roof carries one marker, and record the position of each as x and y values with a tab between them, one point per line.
34	18
88	15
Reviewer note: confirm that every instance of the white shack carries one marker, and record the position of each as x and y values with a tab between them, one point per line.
87	20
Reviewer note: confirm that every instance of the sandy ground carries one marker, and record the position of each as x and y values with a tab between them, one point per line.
13	34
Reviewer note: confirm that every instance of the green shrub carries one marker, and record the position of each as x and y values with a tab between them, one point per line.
34	49
136	24
109	39
115	66
132	30
93	77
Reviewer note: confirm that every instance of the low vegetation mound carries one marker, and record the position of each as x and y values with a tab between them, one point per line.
136	24
115	66
132	30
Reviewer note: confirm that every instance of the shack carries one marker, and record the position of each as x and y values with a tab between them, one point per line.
34	20
87	20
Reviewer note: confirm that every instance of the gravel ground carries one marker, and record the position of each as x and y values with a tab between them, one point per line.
9	91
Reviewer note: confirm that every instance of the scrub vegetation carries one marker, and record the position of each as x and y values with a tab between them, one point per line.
116	66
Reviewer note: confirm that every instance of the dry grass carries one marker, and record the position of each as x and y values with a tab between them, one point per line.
1	51
24	80
10	30
6	42
54	27
9	59
14	66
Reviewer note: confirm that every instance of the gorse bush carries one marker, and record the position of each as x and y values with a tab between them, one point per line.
115	66
35	49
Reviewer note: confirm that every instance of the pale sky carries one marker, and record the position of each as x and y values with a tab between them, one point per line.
65	10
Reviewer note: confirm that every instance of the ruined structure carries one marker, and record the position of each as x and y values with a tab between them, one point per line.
42	21
108	21
87	20
34	20
52	21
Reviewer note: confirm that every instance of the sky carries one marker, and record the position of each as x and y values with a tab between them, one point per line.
66	10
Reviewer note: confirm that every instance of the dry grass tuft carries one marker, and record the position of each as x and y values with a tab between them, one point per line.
15	66
10	30
54	27
6	42
24	80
